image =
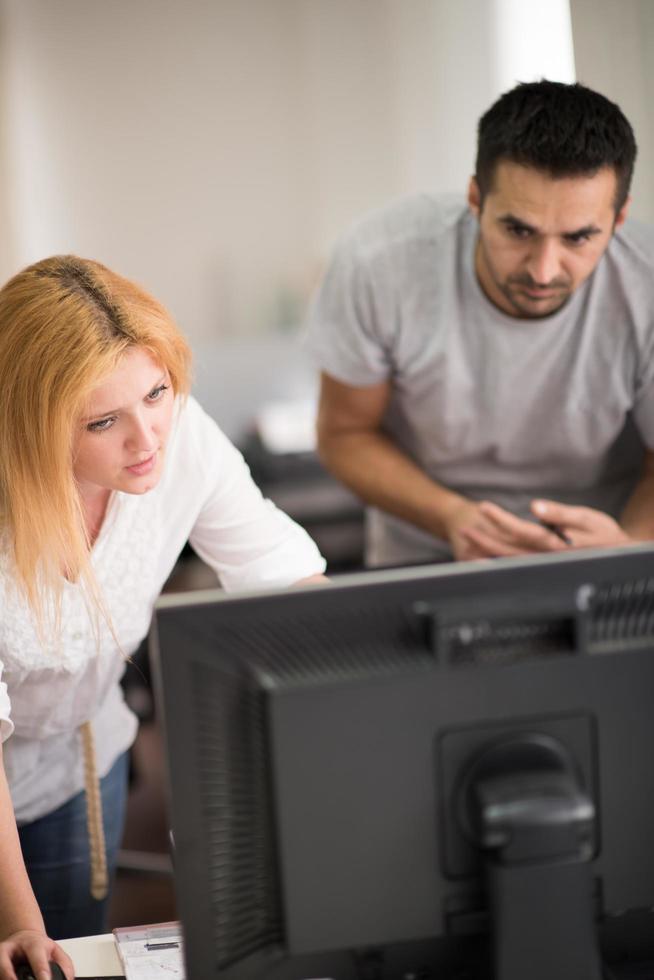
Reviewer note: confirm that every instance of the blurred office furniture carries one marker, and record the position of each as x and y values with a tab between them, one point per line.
299	485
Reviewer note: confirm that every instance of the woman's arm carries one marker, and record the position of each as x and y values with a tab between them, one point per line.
248	542
22	933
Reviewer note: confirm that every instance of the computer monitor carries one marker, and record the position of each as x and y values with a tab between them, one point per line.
437	772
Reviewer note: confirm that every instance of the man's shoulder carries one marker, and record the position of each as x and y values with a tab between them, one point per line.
632	246
624	280
407	221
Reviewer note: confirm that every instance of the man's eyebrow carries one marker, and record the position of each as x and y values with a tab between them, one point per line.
585	231
115	411
510	219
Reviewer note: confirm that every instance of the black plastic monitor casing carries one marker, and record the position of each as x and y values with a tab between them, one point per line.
320	746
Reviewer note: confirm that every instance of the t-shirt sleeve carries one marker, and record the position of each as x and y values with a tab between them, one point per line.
245	538
643	410
350	319
6	724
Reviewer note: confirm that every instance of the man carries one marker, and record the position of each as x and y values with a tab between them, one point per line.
488	372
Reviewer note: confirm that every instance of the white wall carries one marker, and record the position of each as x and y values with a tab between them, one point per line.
214	149
161	138
532	40
614	44
8	258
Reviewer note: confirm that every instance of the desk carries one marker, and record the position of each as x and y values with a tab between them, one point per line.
94	956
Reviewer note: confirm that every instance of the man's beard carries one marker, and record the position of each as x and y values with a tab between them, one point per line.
555	294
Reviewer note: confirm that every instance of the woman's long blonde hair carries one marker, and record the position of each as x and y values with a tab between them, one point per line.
65	322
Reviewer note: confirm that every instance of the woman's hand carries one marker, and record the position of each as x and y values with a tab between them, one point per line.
38	950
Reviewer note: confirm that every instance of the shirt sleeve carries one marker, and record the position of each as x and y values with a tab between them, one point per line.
248	541
6	724
349	329
643	410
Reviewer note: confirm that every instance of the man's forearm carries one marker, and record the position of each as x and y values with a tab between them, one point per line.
373	467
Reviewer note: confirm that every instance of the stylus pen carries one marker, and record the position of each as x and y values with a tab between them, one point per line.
555	529
162	945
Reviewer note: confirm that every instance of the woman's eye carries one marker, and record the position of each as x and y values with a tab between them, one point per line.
100	426
156	393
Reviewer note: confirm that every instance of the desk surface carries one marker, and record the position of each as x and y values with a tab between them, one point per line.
94	956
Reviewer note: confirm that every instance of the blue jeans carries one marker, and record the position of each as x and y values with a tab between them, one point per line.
56	852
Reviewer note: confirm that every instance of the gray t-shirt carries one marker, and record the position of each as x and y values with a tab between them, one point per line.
492	406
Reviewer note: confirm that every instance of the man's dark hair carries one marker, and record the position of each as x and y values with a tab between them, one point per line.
562	130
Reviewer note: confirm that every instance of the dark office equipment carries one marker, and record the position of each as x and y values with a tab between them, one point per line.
24	971
440	772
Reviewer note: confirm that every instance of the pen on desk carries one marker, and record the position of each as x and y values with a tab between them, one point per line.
555	529
162	945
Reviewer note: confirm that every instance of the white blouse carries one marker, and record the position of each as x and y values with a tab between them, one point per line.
48	688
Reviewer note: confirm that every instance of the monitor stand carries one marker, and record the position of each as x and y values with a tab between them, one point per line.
523	805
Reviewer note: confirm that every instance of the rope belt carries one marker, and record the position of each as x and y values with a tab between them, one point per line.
95	827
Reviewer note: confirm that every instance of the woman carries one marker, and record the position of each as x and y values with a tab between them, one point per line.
107	468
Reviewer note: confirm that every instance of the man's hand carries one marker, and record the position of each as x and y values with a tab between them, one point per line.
38	950
485	530
582	526
460	521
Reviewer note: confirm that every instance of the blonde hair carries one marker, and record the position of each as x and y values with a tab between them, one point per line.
65	323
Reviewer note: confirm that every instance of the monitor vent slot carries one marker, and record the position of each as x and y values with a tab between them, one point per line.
344	644
236	811
619	615
622	614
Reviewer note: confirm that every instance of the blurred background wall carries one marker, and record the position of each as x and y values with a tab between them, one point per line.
214	149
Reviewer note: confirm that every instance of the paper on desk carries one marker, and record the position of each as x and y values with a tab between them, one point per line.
151	952
143	964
